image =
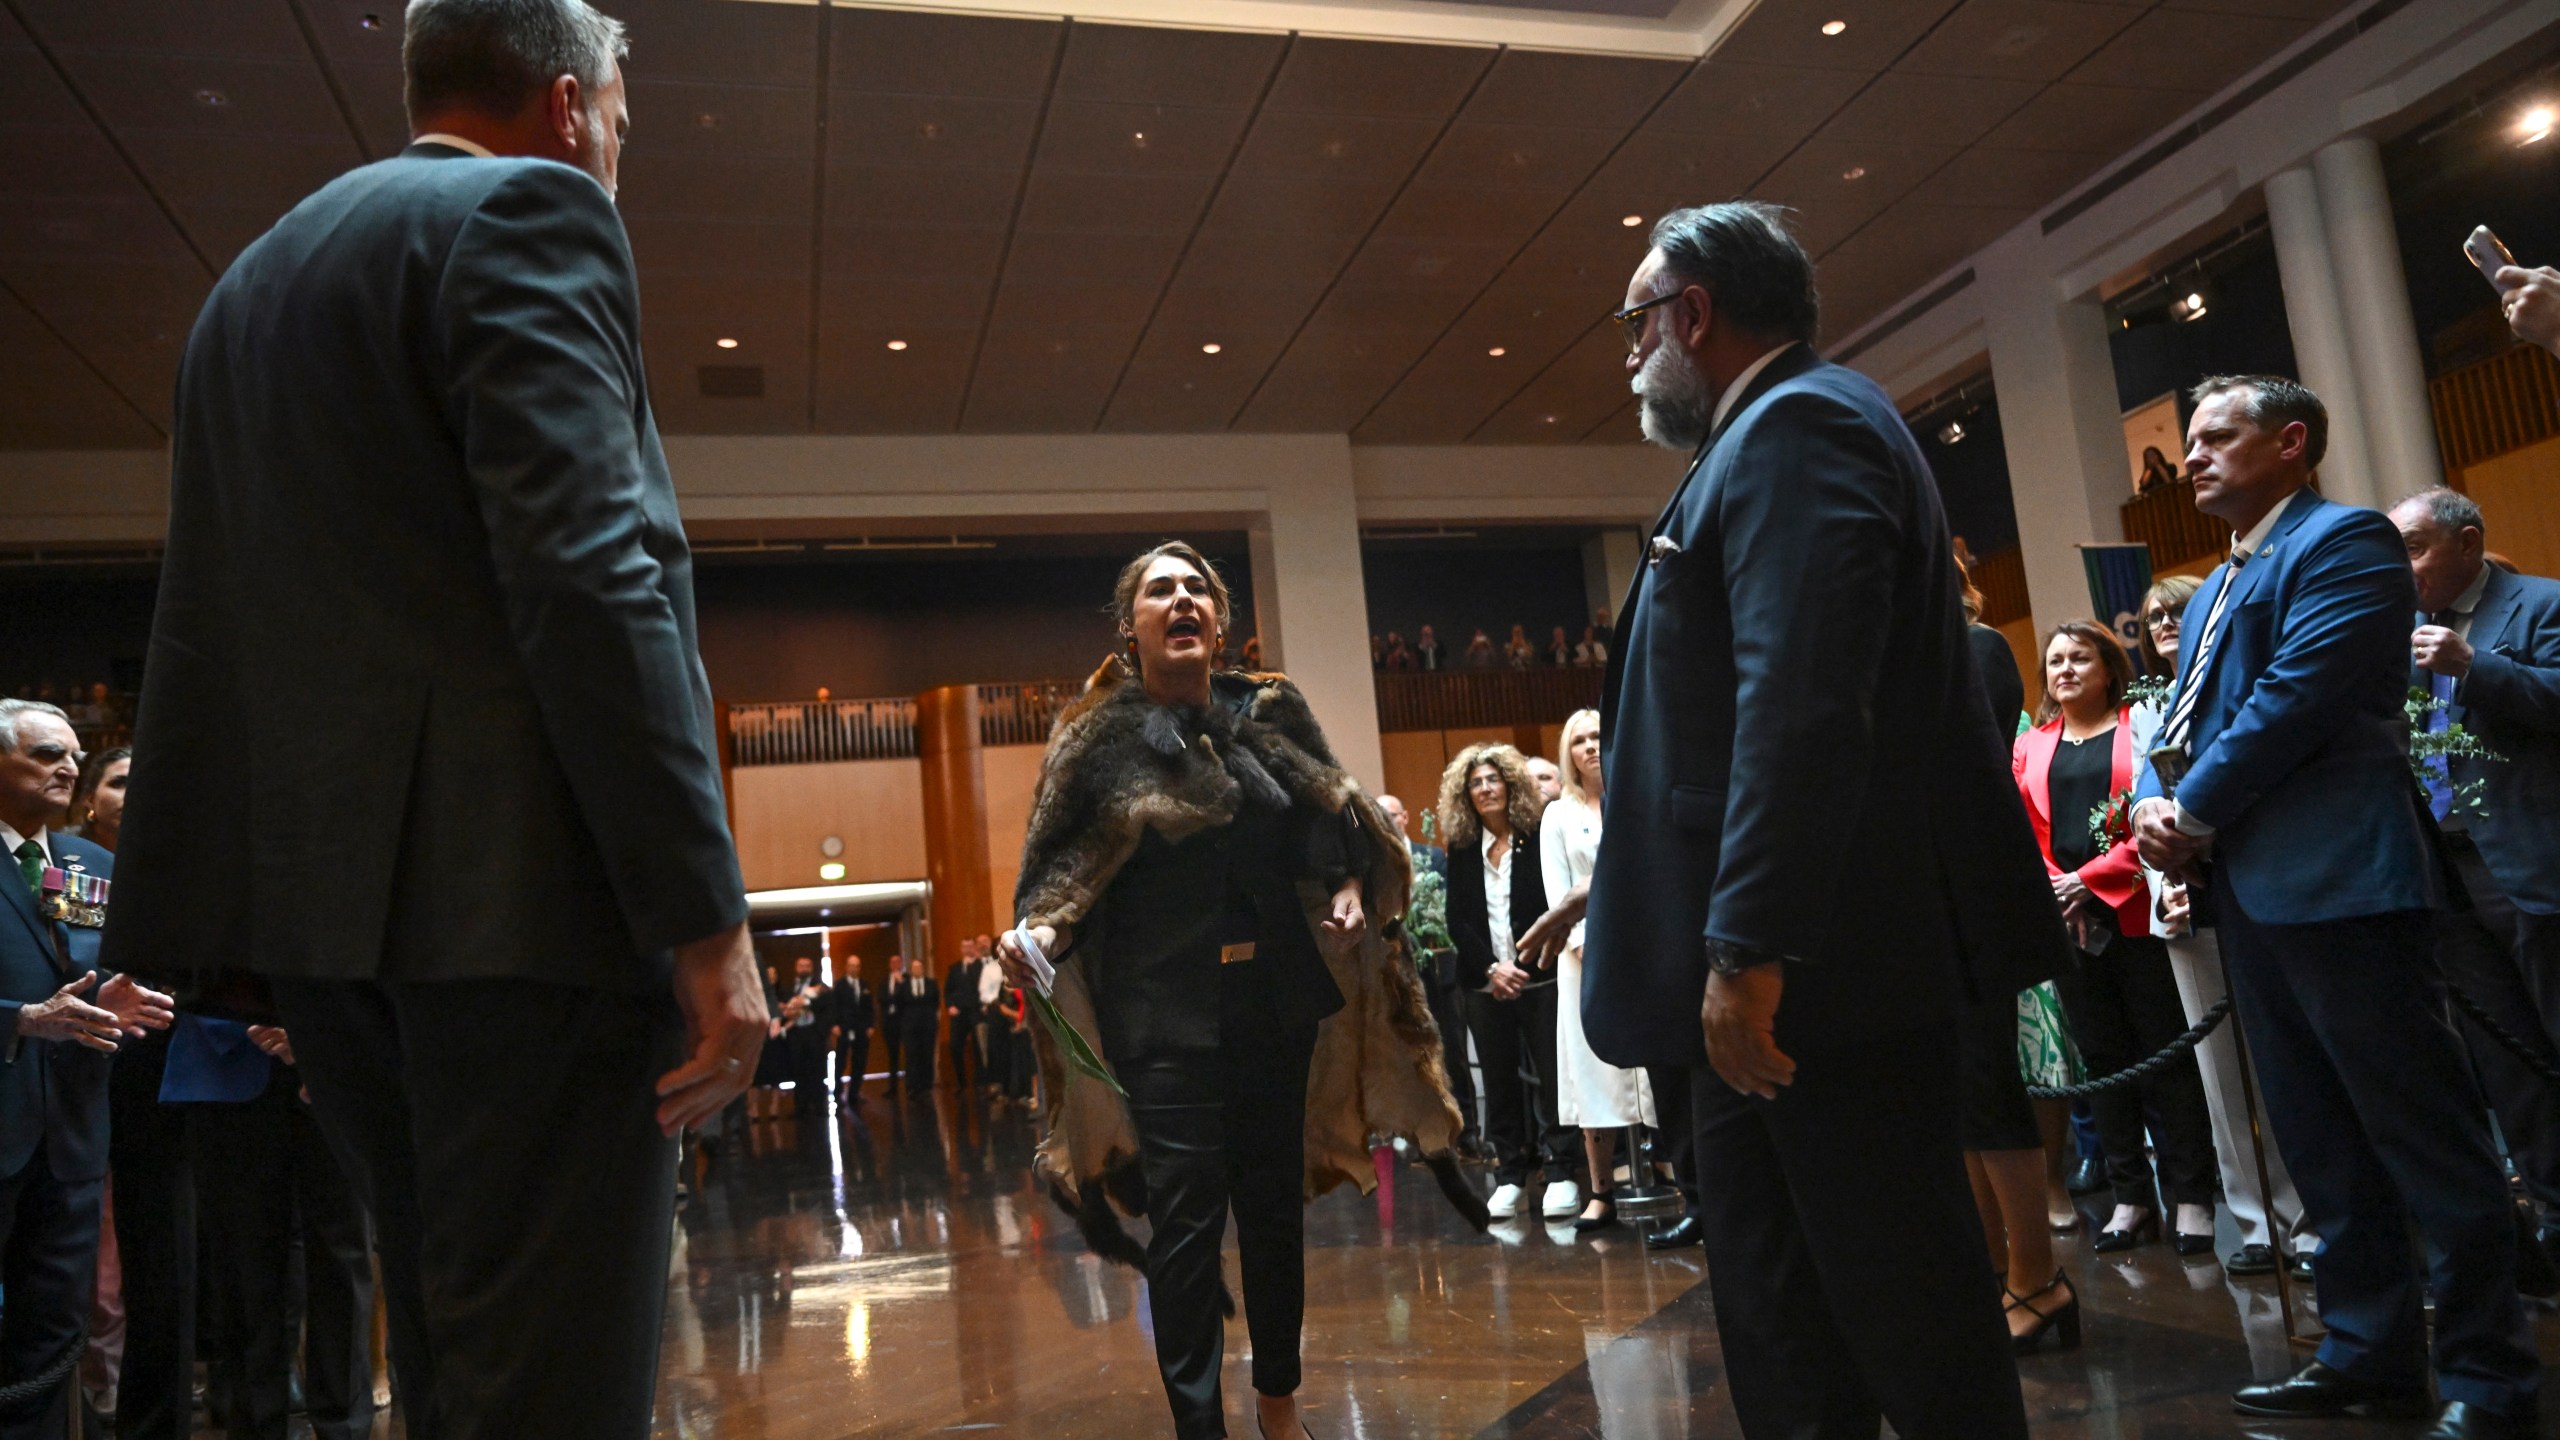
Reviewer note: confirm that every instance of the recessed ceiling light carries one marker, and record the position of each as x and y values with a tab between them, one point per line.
707	120
1630	221
1212	348
1546	419
1497	352
1951	433
214	99
725	343
1138	140
897	344
931	130
1835	27
370	22
2536	125
1854	172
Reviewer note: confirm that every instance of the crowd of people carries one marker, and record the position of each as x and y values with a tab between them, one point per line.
972	1021
1391	651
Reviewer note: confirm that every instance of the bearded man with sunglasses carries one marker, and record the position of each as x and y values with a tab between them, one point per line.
1790	692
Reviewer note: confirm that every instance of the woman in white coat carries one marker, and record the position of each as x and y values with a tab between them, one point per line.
1590	1092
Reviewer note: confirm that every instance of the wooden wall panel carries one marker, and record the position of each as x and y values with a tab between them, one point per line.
1414	760
2519	497
784	811
1012	771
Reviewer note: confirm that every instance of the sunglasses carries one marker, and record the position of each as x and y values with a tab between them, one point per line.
1631	320
2159	620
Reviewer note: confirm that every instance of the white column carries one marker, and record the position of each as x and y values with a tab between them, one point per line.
2391	373
2060	423
1314	596
1266	596
1608	570
2323	346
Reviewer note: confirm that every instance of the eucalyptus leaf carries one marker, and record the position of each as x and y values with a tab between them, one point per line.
1071	1042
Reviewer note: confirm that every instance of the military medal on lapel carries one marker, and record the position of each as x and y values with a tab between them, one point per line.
75	898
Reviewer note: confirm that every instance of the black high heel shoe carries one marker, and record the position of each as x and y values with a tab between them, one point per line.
2144	1231
2063	1321
2190	1246
1608	1216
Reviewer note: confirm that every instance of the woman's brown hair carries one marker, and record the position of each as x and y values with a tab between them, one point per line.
2111	658
1458	824
1124	593
1966	590
2171	594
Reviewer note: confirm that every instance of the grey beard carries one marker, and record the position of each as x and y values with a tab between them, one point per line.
1673	407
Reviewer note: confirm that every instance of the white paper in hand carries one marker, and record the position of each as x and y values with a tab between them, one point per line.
1046	973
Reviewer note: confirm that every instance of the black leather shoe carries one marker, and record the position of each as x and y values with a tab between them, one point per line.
2250	1260
2301	1264
2464	1421
2316	1391
2089	1178
1607	1217
1678	1235
2190	1246
2144	1230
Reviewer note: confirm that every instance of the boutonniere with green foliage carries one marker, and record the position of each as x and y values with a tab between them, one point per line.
2446	745
1426	916
2111	824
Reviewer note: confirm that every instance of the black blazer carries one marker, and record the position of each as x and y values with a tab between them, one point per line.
2002	686
960	991
917	1009
1800	758
1470	930
851	1006
420	522
2511	700
53	1091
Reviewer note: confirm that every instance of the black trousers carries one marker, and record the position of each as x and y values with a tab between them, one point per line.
273	1181
918	1045
49	1272
2123	1006
1676	1143
853	1057
965	1069
1448	1011
890	1036
1830	1321
152	1157
2384	1128
522	1196
807	1046
1516	1040
2482	950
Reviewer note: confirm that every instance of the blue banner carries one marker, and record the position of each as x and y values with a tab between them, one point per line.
2119	576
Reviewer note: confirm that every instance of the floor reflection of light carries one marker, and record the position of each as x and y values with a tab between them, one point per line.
857	1335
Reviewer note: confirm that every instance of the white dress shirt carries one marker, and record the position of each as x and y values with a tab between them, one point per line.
2249	545
468	147
1497	895
11	839
1733	392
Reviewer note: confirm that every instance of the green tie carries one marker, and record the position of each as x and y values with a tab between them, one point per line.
31	866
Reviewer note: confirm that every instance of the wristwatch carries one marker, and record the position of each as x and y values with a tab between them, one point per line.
1726	958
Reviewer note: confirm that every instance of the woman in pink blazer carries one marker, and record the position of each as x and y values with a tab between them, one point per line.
2122	1000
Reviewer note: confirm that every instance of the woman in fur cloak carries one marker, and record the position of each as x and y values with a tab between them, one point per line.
1205	877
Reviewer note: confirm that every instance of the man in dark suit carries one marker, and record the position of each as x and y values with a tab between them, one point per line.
2283	760
852	1012
1790	687
919	1021
58	1025
431	744
960	1008
2487	648
893	1029
805	1035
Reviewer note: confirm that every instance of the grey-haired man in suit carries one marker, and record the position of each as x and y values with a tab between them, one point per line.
430	740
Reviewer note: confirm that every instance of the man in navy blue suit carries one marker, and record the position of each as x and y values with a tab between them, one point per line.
58	1025
2282	775
1790	694
2487	646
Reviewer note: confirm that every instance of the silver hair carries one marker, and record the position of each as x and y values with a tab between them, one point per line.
2448	510
496	56
10	710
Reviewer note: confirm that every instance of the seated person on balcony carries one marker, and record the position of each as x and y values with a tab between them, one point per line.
1400	656
1426	650
2156	470
1517	652
1594	648
1480	653
1559	649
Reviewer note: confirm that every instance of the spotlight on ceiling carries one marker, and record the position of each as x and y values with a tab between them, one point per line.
2537	124
1951	433
1497	352
1854	172
1631	221
897	344
1212	348
1835	27
725	343
2190	306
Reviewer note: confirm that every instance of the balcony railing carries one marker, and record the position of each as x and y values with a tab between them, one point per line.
1022	714
1476	699
2166	519
816	732
2491	406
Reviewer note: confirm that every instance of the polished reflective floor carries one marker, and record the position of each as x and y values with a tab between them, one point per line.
891	1272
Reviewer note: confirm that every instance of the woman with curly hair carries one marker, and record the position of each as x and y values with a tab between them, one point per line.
1203	876
1489	811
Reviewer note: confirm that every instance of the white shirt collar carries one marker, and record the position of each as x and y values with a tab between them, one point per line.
467	147
2250	543
1733	392
2469	600
10	840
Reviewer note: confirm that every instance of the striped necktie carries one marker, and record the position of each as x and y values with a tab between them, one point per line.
2179	730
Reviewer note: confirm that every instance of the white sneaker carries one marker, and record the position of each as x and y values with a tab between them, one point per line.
1564	1200
1504	1202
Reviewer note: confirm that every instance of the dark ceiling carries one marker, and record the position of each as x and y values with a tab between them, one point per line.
1410	243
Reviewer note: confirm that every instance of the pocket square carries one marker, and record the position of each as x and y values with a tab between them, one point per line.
1663	548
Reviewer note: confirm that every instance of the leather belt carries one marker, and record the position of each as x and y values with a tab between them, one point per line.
1230	954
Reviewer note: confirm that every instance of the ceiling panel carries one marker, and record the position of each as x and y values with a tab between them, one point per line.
1113	204
1172	386
867	388
1835	186
55	401
258	29
1261	208
2032	40
1534	87
220	93
356	32
910	52
1520	157
1356	77
2279	9
1904	109
684	245
1092	137
1789	32
697	118
2024	178
373	93
936	131
689	40
2093	119
1336	369
1337	149
2194	51
1732	98
738	189
918	199
1580	391
1154	65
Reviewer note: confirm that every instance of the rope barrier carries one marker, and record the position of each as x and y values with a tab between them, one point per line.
2536	1057
2140	1069
21	1392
